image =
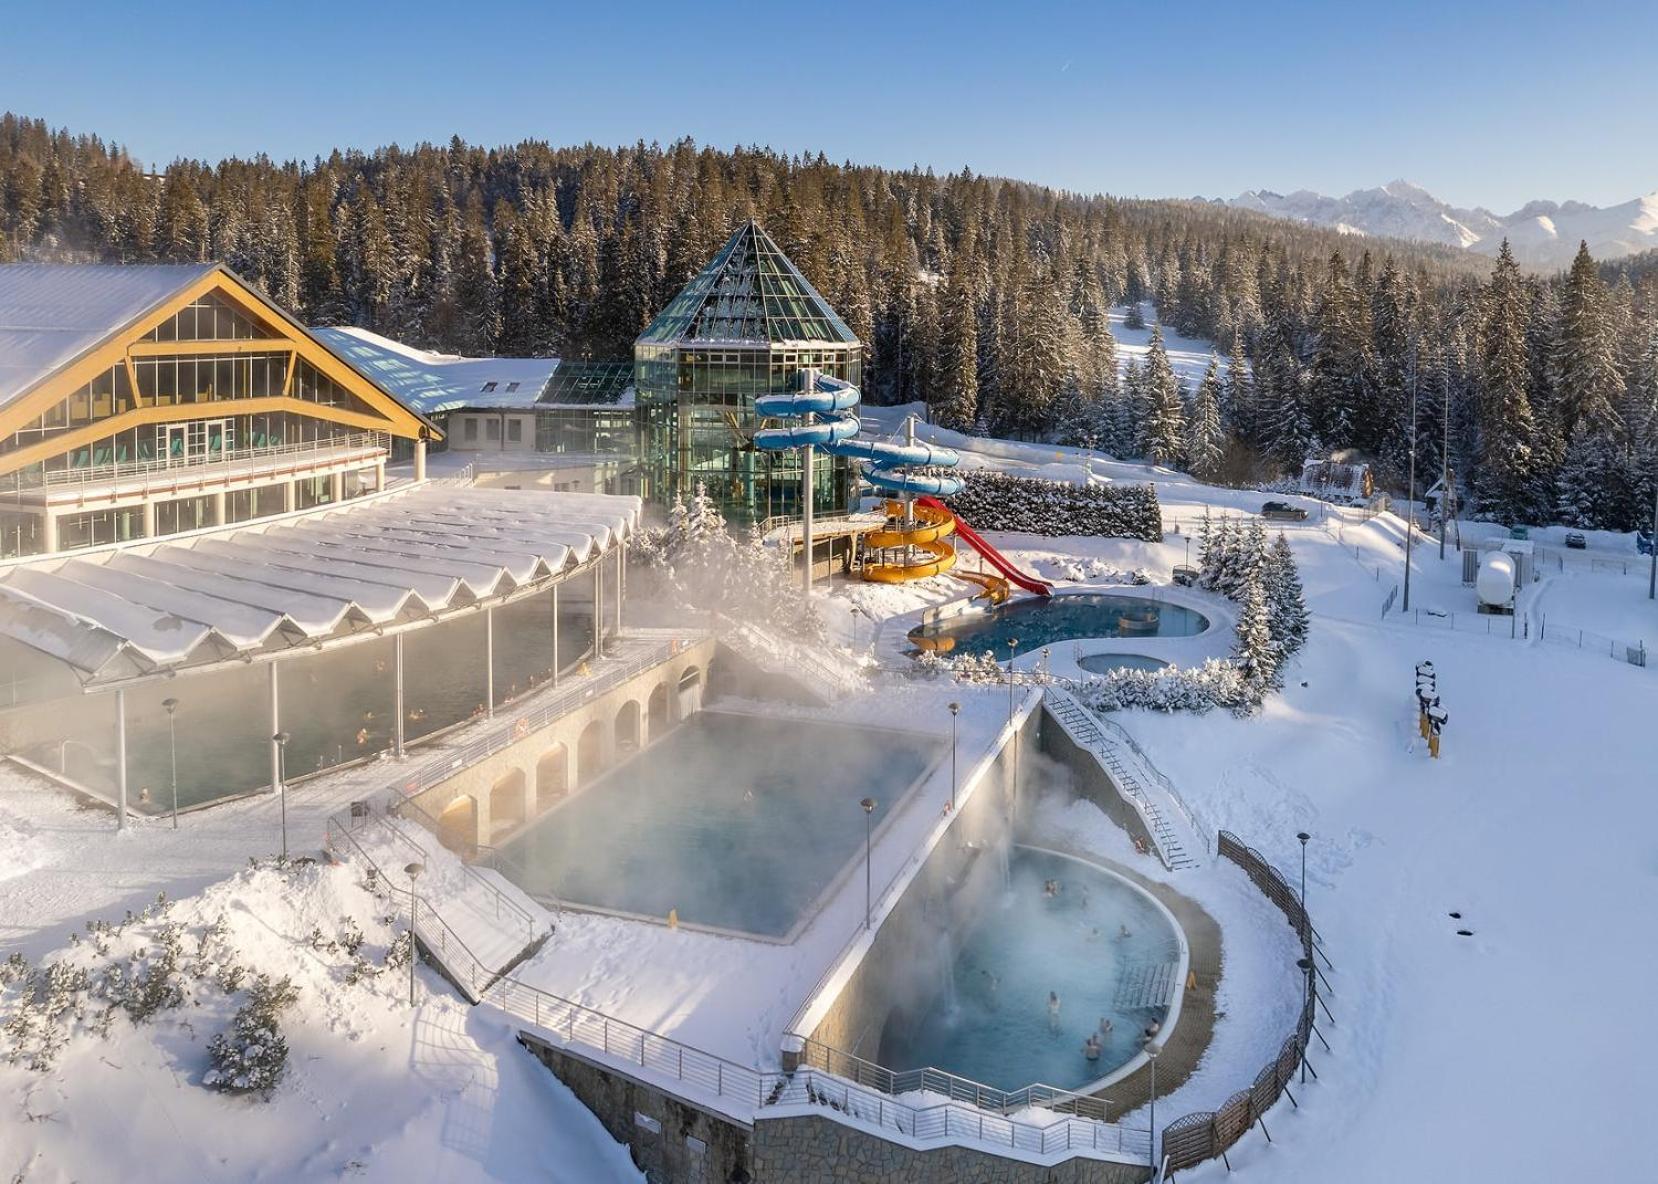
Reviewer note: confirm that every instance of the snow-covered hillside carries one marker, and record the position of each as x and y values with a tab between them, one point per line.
1543	234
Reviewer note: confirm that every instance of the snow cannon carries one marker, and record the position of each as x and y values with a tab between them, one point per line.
1495	583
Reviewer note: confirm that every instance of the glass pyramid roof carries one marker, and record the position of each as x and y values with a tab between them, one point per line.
750	294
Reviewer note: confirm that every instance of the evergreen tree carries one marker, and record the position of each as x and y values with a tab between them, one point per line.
1507	480
1288	618
1166	412
1135	318
1205	438
957	392
1253	647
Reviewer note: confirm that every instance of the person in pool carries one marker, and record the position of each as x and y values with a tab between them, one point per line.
1091	1047
1105	1026
1053	1011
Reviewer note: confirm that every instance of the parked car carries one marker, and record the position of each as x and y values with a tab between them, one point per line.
1576	541
1185	576
1283	511
1519	532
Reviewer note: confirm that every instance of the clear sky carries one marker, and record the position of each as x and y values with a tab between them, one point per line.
1483	103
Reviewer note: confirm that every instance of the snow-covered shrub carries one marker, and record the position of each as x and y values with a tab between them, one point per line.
1236	561
1216	683
695	565
996	501
251	1057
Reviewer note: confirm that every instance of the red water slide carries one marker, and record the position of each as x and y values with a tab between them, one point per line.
996	558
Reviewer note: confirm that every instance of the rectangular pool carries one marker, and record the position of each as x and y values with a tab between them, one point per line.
737	822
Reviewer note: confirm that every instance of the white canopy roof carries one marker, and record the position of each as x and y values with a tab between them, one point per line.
258	589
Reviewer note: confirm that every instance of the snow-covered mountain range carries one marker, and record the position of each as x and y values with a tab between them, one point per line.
1541	233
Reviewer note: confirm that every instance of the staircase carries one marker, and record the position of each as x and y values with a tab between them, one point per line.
1173	847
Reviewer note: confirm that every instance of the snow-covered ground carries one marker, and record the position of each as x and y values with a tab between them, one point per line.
1454	1057
374	1090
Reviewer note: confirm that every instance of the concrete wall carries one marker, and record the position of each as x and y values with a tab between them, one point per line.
809	1149
483	803
671	1141
906	955
1092	781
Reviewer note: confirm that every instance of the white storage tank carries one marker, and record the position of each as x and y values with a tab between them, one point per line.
1495	585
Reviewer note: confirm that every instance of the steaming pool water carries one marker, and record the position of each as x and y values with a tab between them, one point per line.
990	1022
1035	622
736	821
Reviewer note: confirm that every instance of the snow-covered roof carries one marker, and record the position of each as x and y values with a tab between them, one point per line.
433	382
424	553
52	313
1334	476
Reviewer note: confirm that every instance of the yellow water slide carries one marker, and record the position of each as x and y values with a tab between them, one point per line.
899	541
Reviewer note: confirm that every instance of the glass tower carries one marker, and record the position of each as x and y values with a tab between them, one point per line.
746	325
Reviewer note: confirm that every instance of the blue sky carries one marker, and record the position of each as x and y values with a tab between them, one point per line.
1482	103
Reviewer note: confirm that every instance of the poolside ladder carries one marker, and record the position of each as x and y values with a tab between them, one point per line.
1078	721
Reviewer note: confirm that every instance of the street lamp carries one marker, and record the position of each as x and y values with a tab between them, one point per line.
955	710
281	739
869	824
1410	496
1306	965
1303	836
1152	1049
170	706
413	871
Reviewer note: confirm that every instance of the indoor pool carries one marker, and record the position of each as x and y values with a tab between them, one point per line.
1035	622
732	821
992	1023
1106	663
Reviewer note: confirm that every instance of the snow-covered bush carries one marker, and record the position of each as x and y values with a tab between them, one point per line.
1236	561
996	501
695	565
1216	683
251	1057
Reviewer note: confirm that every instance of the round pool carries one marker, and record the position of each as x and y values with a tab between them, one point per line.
1106	663
1100	944
1035	622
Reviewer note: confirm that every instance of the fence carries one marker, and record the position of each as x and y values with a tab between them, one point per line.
1587	639
1518	627
1190	1140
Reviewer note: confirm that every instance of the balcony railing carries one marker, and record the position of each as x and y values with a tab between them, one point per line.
195	465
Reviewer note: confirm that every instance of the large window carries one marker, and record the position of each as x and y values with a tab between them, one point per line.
211	318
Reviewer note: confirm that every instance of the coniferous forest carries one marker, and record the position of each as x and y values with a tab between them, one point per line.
985	298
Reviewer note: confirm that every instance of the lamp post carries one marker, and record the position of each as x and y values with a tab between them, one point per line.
869	824
282	739
1152	1049
1652	577
1303	836
170	706
1306	965
413	871
1012	644
955	710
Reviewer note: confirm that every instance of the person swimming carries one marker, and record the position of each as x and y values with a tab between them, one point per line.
1122	933
1053	1011
1091	1047
1105	1026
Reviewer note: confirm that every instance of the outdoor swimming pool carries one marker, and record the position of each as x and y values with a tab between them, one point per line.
1106	663
1035	622
990	1023
736	821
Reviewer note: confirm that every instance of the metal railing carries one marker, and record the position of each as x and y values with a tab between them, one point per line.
831	1060
1191	816
949	1120
575	1024
193	463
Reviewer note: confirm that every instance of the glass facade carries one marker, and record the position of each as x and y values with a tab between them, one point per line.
749	324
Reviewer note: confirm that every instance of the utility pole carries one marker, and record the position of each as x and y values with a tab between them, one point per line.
1445	469
1410	497
1652	580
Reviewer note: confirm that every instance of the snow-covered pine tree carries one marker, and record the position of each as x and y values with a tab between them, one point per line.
1596	482
1287	612
1205	438
1507	479
1166	412
1253	647
1238	395
1135	318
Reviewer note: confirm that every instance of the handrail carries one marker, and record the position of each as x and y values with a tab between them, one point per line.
824	1057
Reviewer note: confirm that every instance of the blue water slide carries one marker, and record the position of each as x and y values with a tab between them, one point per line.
832	400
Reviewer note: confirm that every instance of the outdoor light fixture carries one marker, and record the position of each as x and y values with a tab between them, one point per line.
869	824
413	871
955	710
281	739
